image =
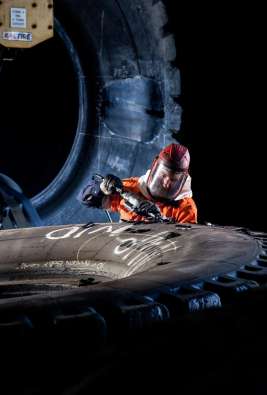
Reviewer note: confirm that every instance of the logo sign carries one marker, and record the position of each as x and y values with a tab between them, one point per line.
25	23
18	17
17	36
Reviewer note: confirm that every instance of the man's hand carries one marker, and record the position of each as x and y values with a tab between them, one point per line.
148	209
110	184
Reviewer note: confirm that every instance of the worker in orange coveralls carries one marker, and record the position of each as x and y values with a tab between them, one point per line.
164	189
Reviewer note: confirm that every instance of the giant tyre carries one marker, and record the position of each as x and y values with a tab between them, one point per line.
110	66
86	306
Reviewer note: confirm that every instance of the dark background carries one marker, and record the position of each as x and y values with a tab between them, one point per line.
220	53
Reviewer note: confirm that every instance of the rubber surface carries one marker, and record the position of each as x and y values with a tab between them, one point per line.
86	302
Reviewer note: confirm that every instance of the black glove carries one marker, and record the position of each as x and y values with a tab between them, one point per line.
110	184
148	209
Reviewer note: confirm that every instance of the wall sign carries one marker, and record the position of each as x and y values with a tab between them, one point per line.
18	17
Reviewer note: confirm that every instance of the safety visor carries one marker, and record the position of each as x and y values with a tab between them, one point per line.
165	183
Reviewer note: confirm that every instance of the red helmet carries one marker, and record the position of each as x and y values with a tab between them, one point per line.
169	172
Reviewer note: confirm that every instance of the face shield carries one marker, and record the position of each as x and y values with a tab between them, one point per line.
165	183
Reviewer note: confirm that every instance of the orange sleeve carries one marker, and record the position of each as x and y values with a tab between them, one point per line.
111	202
187	211
114	202
131	184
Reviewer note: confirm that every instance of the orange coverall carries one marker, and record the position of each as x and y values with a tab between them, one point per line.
183	210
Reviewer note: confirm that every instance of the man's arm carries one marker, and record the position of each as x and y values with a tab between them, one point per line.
101	192
187	211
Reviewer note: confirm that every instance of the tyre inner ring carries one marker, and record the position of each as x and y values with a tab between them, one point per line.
40	86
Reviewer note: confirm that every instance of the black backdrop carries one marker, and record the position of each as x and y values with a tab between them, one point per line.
220	52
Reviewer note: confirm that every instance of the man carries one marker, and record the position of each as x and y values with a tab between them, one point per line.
165	189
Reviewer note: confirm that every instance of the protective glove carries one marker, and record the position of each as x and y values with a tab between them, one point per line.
148	209
110	184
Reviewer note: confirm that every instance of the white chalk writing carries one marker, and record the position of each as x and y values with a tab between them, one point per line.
134	252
